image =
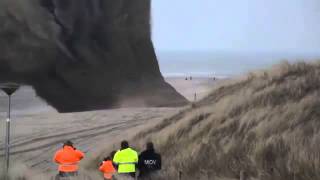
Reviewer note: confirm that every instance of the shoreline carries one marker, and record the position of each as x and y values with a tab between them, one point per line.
196	75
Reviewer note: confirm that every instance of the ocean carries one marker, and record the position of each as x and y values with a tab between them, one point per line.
223	64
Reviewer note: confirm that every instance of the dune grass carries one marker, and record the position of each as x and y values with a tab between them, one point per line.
266	126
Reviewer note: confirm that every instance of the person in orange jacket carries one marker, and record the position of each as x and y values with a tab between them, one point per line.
68	159
107	167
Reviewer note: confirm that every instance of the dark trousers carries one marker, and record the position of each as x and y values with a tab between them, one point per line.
133	175
113	178
108	179
66	174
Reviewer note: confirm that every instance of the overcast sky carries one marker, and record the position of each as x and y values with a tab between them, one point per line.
237	25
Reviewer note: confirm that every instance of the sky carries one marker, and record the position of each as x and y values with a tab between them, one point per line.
236	25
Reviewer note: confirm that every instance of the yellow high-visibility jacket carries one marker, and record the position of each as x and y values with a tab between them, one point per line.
126	160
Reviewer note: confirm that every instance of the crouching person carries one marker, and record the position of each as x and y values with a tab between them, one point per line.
107	168
68	158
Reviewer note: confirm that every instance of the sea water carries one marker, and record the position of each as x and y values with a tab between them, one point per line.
223	64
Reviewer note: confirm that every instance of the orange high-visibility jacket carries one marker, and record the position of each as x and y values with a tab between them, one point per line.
108	169
68	159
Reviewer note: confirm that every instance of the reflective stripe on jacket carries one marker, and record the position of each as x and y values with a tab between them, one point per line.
68	159
108	169
126	160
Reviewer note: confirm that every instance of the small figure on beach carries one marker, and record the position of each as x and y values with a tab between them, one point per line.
68	158
149	162
126	160
191	78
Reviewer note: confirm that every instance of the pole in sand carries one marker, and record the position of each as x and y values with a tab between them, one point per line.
9	89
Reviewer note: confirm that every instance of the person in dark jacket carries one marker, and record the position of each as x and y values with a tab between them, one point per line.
149	162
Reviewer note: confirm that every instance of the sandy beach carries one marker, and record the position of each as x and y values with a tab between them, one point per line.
38	130
188	88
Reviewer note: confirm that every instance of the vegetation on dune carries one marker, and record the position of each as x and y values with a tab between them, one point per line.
265	126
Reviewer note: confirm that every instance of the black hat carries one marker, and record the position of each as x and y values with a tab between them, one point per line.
124	144
150	146
68	143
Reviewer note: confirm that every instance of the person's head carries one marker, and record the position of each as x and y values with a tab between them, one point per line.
68	143
108	158
124	145
150	146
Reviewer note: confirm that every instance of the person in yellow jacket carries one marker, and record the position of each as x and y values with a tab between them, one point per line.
126	160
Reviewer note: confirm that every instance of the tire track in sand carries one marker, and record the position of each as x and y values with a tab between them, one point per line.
76	135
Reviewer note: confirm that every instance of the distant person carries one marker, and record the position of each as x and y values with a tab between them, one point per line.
190	77
149	162
68	159
107	167
126	160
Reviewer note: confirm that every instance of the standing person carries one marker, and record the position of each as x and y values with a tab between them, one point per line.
68	159
149	162
126	160
107	167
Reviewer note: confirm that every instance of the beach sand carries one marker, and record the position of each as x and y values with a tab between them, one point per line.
188	88
37	130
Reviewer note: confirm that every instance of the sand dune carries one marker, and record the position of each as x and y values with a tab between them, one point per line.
264	126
